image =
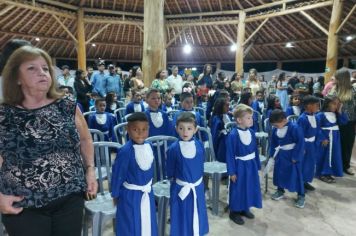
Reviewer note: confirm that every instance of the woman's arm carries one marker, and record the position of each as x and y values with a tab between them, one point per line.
87	152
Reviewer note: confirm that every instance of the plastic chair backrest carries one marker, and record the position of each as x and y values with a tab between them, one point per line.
292	118
209	150
259	119
202	113
121	104
171	114
157	143
120	132
97	135
102	159
120	114
87	114
230	125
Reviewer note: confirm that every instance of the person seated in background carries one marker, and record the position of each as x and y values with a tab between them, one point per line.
136	104
66	79
102	120
111	102
167	103
259	103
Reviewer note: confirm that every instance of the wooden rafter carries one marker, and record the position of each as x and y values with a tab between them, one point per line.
15	19
255	32
65	28
38	22
21	20
231	40
188	5
344	21
312	20
6	9
97	33
29	22
81	3
176	36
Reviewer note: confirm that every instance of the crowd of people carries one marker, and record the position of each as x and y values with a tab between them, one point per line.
45	140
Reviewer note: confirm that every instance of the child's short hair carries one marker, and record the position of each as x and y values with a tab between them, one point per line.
294	95
219	106
166	96
241	109
277	115
150	91
260	92
169	90
223	93
245	97
327	100
185	95
70	89
98	100
186	117
137	116
309	99
134	92
271	101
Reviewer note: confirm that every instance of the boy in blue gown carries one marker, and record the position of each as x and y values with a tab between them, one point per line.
287	148
311	131
243	163
136	104
185	168
259	104
102	120
131	184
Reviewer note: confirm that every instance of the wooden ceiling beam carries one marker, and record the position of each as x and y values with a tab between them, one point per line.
343	22
38	22
65	28
97	33
29	22
231	40
112	21
6	9
81	3
111	12
312	20
176	36
255	32
59	4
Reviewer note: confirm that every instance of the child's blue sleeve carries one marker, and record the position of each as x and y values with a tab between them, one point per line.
171	161
299	149
119	172
273	143
230	155
342	118
91	121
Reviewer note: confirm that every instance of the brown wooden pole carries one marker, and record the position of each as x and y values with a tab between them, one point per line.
154	46
239	60
81	50
332	48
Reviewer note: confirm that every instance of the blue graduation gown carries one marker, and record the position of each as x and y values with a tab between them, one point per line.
246	191
128	214
188	170
310	154
290	111
198	118
256	106
219	137
287	174
165	108
107	128
130	108
325	166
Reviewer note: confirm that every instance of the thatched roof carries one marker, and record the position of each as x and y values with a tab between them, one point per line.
208	25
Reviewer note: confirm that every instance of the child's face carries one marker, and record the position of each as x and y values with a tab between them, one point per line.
226	107
259	97
154	100
333	106
186	130
138	131
312	108
188	104
137	97
295	101
100	107
277	103
169	101
281	124
246	121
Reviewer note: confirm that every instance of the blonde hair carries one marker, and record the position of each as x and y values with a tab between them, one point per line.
12	92
343	85
241	109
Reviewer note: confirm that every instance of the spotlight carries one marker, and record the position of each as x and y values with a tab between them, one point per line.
93	45
233	47
187	49
289	45
194	69
349	38
37	39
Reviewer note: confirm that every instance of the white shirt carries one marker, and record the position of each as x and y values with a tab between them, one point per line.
66	82
176	83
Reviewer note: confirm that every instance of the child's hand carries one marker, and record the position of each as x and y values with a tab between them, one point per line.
325	143
233	178
294	161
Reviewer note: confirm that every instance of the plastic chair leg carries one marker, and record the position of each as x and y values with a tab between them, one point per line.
215	193
162	215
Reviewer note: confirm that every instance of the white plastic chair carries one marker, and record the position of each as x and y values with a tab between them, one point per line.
102	208
120	132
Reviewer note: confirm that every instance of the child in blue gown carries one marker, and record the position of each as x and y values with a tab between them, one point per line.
103	121
136	104
167	105
131	183
294	106
242	166
219	119
185	168
329	163
259	103
287	148
247	99
273	102
311	131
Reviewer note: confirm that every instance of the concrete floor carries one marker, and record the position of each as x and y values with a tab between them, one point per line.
330	210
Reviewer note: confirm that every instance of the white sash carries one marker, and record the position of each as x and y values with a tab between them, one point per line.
183	193
145	206
270	162
310	140
247	157
335	127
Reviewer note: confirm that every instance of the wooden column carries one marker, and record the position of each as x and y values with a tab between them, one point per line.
154	40
81	50
239	60
332	48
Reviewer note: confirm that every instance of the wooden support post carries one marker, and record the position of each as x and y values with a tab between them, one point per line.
332	48
239	60
81	50
154	46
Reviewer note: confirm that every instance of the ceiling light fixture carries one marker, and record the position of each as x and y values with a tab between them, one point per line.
37	39
233	47
93	45
187	49
349	38
289	45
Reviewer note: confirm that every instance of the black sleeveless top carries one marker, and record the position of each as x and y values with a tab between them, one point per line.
40	149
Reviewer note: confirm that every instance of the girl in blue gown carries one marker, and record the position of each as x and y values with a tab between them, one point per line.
185	168
131	183
294	106
329	163
218	121
103	121
242	166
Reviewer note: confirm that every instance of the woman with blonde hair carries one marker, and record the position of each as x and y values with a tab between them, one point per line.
347	94
44	143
